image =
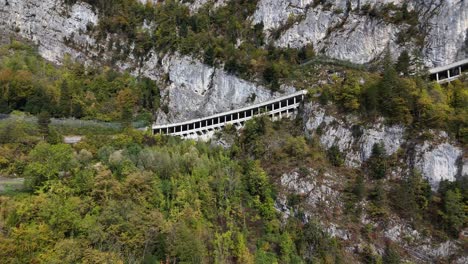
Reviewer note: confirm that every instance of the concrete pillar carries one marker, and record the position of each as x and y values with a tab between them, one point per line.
437	77
294	99
448	74
459	70
251	113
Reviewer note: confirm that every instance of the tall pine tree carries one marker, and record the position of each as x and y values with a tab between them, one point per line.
65	104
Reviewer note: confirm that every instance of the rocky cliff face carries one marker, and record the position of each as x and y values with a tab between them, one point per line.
323	193
438	159
193	5
341	30
194	89
51	25
191	89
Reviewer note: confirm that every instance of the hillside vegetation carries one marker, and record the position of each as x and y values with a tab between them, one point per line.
127	196
31	84
135	198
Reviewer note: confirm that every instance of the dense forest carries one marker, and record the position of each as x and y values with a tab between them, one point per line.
29	83
130	197
126	196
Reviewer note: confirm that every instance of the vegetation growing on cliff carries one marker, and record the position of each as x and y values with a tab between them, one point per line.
131	197
413	102
225	37
126	197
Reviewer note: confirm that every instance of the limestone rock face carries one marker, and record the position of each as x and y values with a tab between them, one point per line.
194	6
355	142
447	39
194	89
50	24
337	28
438	162
274	13
437	159
191	89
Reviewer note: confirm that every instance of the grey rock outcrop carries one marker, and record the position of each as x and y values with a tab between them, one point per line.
447	38
196	90
354	141
51	25
437	159
337	28
439	162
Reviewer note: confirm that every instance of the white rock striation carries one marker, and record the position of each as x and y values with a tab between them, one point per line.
447	39
438	163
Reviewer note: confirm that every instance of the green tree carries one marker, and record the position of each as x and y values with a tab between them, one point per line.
48	162
377	162
391	255
349	93
393	97
43	121
403	63
335	156
65	103
413	196
258	187
454	214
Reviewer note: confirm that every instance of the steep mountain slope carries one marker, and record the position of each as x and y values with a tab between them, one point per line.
193	84
359	31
